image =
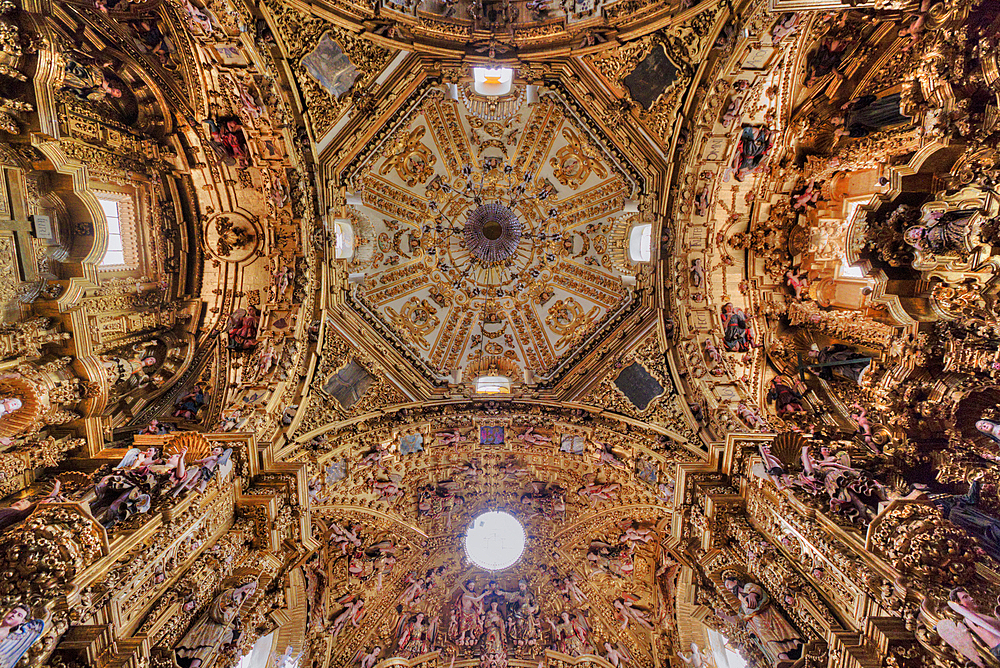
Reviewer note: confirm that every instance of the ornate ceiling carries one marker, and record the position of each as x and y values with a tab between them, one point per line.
737	259
492	235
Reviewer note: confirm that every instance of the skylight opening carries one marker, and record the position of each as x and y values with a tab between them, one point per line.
344	241
493	385
492	81
640	243
114	255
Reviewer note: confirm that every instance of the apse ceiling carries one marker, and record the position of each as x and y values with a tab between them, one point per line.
491	233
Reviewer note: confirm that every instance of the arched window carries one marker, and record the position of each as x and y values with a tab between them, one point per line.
119	214
640	242
493	385
344	244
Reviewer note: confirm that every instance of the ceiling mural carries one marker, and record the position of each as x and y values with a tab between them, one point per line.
507	253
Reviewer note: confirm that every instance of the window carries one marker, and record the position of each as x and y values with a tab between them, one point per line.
492	81
121	252
344	239
493	385
725	655
115	254
640	242
261	652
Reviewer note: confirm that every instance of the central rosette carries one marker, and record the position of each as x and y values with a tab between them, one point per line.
492	232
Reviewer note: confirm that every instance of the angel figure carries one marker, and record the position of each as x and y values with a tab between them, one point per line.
606	455
415	588
369	659
625	611
799	283
199	19
415	636
388	489
198	478
694	658
354	610
618	655
569	587
450	437
960	634
532	437
281	279
712	352
864	427
17	633
266	360
596	492
635	533
136	458
470	471
697	273
344	537
750	416
376	456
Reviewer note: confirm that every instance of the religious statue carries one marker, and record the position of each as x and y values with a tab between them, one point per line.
964	511
776	637
990	429
522	608
942	232
570	634
494	638
845	368
737	329
786	396
187	406
18	632
850	489
9	405
751	149
416	635
218	626
467	615
130	370
88	82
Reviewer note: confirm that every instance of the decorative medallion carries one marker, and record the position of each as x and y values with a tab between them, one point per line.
492	232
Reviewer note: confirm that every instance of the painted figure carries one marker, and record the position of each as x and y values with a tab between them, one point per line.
187	406
868	114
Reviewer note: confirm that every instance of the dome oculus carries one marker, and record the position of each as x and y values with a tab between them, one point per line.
495	541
